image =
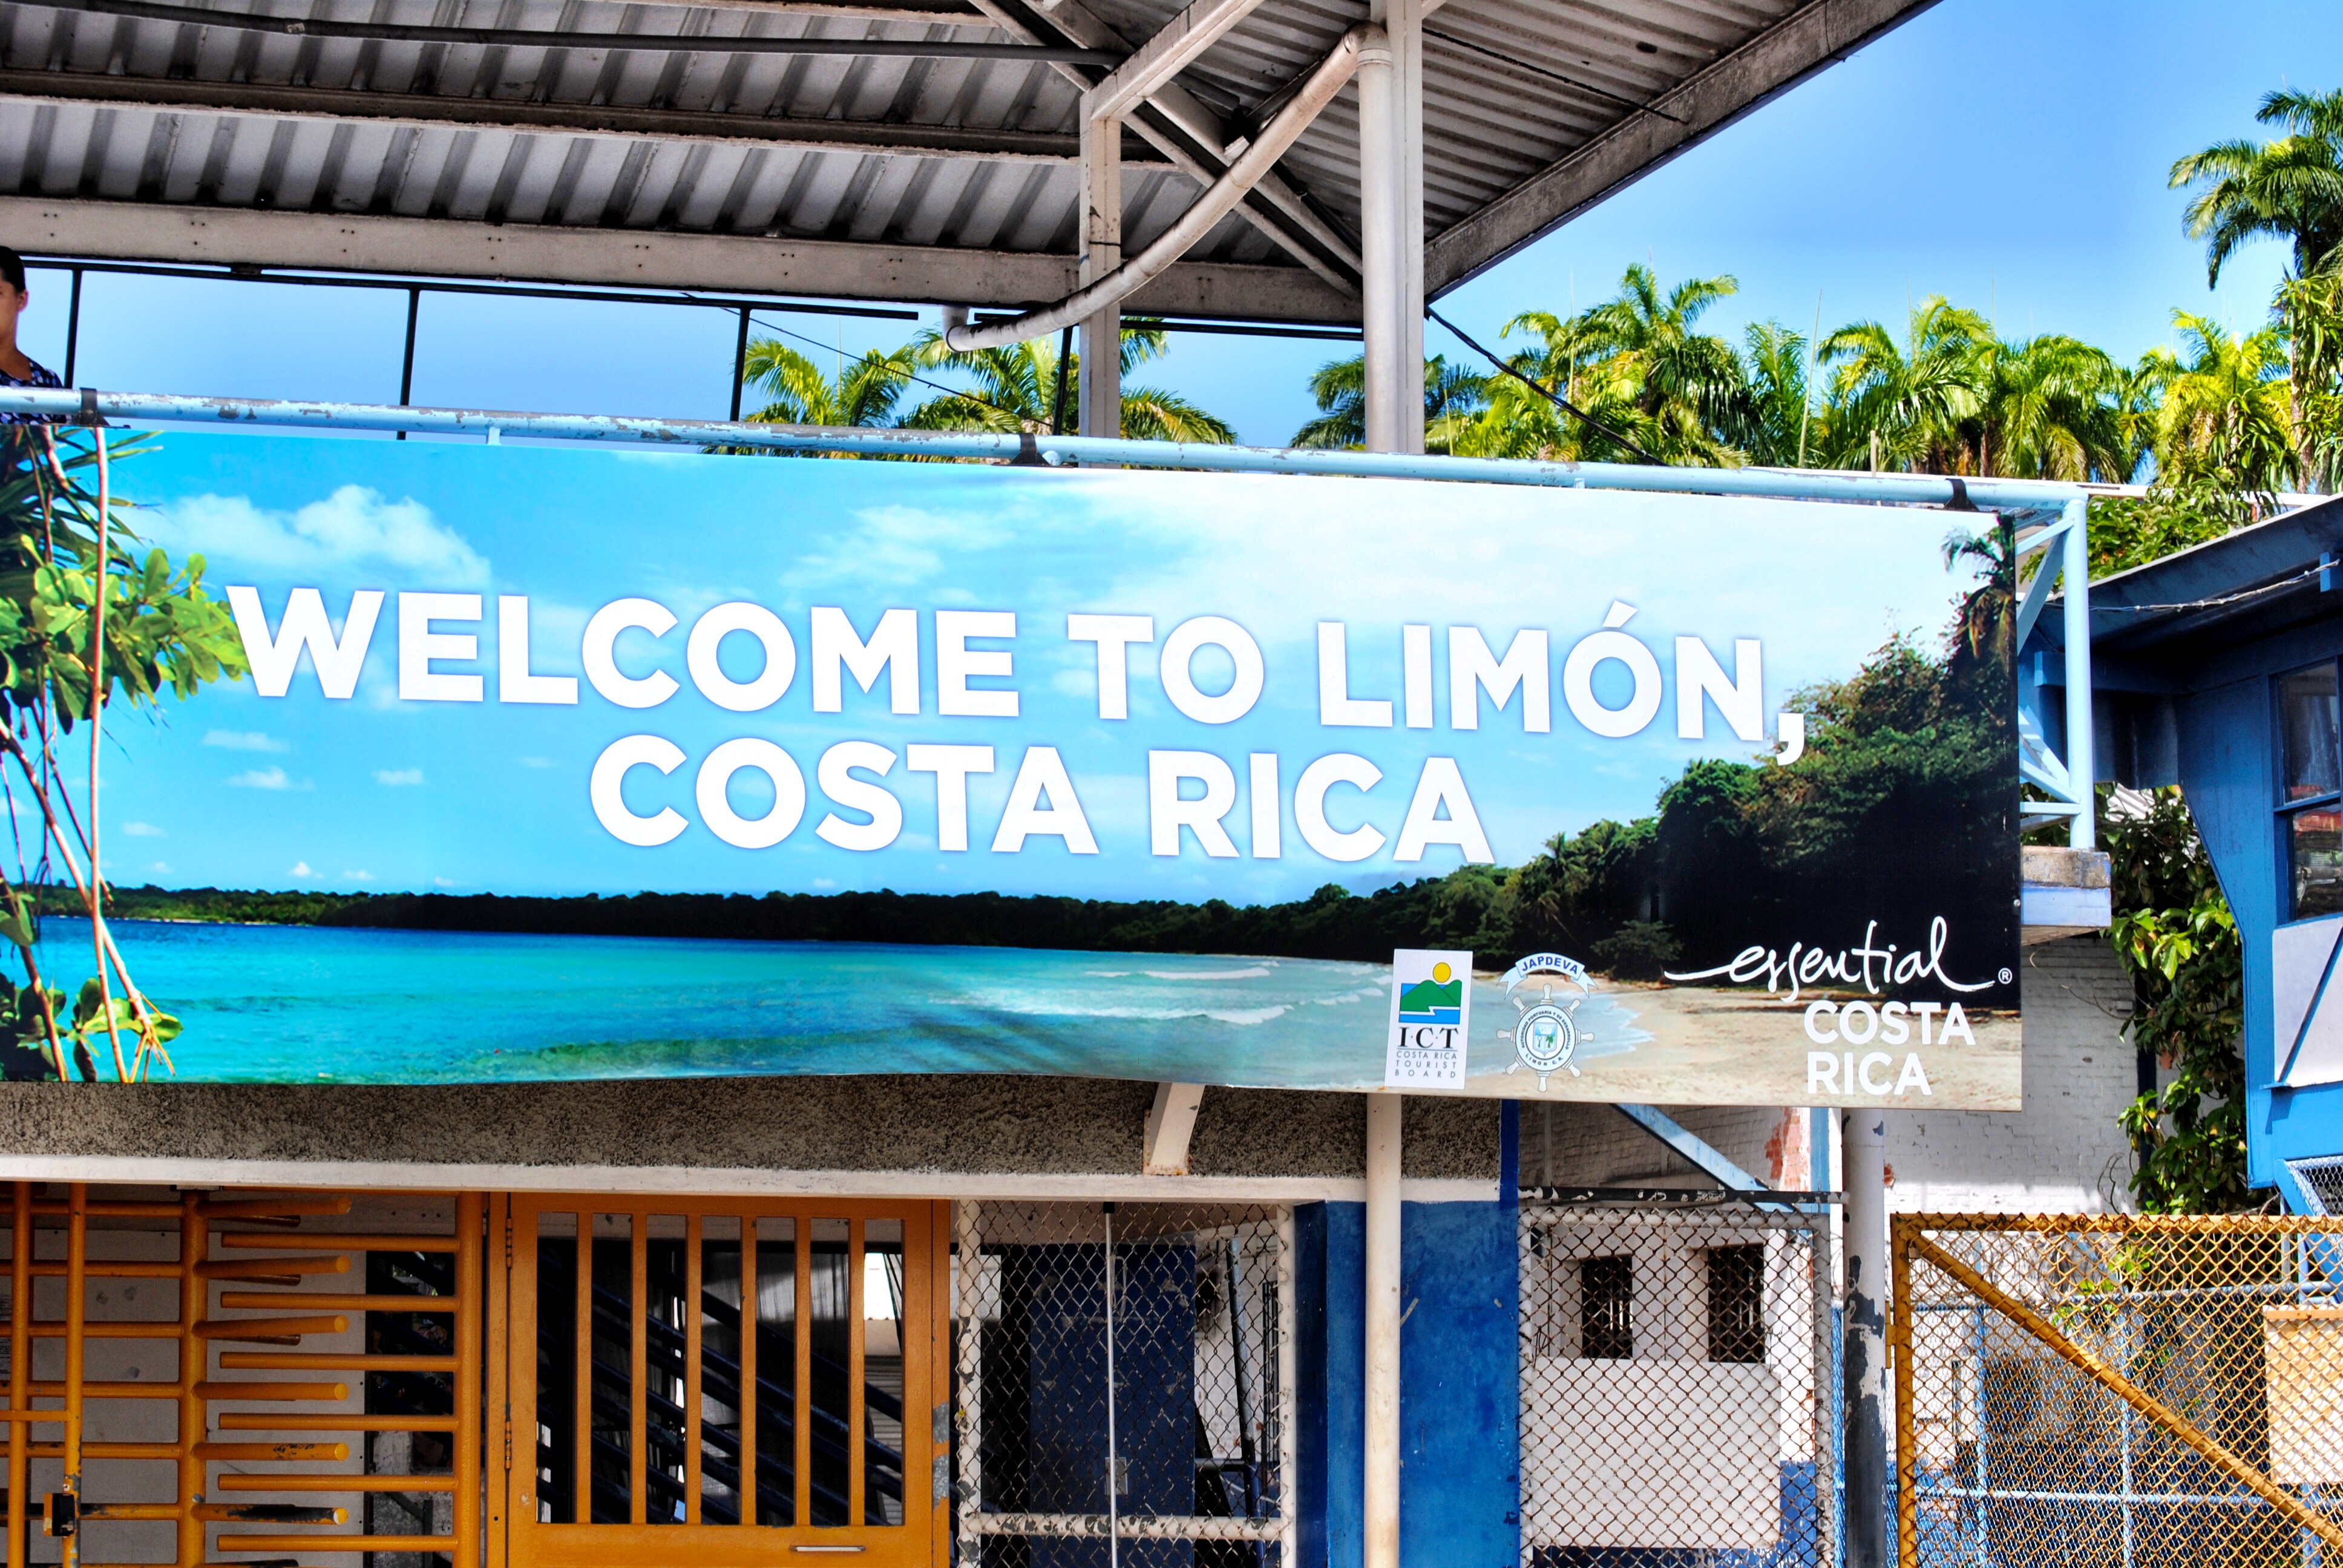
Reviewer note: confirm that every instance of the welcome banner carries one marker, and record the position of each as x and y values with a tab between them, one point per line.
560	764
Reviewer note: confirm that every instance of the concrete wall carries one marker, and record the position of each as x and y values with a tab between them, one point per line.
940	1136
2065	1150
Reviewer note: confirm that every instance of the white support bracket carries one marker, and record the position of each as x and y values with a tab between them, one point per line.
1170	1124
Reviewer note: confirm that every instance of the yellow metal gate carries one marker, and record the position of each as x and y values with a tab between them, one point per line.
472	1380
2112	1391
148	1430
722	1382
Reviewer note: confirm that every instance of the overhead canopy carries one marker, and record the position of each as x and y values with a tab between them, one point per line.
931	152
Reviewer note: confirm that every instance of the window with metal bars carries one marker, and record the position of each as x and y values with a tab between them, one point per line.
1606	1294
1736	1303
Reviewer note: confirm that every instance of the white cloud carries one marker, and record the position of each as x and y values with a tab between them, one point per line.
265	778
245	741
301	869
359	876
536	761
160	866
825	882
142	831
353	528
396	776
445	882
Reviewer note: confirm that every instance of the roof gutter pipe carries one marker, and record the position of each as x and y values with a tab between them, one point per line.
1328	78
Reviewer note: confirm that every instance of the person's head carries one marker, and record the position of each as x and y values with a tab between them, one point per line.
14	294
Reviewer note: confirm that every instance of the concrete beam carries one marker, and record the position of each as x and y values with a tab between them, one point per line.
1774	62
431	109
1171	51
1171	1123
544	253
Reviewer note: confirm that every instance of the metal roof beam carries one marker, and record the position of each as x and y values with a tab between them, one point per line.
1328	77
1775	61
1174	47
431	109
646	43
1289	221
635	258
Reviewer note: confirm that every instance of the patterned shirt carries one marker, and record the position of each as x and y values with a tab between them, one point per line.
41	375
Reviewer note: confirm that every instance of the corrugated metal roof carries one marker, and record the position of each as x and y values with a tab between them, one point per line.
670	138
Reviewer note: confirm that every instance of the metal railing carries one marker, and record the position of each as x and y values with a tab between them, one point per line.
2042	511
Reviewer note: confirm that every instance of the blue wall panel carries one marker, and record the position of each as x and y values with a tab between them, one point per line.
1330	1380
1459	1385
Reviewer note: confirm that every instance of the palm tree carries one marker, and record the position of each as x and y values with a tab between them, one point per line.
1017	391
1901	405
2224	408
865	391
1689	386
1777	424
2048	411
1452	397
2290	189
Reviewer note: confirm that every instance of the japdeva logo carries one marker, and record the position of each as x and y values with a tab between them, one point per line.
1546	1035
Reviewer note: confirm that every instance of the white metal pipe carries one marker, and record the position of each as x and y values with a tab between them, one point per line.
1113	1459
2082	769
1324	82
1380	1496
1864	1155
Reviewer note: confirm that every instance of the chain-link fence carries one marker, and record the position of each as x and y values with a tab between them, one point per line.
1676	1408
1147	1342
2322	1183
2105	1390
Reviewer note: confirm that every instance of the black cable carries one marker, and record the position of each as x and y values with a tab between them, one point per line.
1548	393
937	385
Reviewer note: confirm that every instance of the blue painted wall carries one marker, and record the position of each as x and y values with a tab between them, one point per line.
1459	1385
2228	766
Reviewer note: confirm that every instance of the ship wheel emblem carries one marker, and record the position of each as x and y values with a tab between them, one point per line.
1546	1036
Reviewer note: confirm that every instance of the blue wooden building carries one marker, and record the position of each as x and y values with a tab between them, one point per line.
2218	670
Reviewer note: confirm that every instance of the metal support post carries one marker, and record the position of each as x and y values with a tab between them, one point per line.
407	363
1102	348
1113	1459
1863	1153
72	327
739	361
1404	21
2081	767
76	1307
1382	279
1381	1495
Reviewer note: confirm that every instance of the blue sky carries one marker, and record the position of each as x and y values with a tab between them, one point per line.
240	790
2011	154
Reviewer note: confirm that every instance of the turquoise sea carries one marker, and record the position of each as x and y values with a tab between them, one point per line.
292	1004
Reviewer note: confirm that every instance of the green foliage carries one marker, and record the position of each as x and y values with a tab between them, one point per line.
1017	391
1638	951
1452	397
2178	941
163	632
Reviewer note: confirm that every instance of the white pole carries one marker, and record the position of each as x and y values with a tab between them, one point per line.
1383	278
1101	334
1864	1153
1382	1319
2082	769
1114	1544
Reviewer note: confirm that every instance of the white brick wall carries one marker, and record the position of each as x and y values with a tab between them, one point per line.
2065	1151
